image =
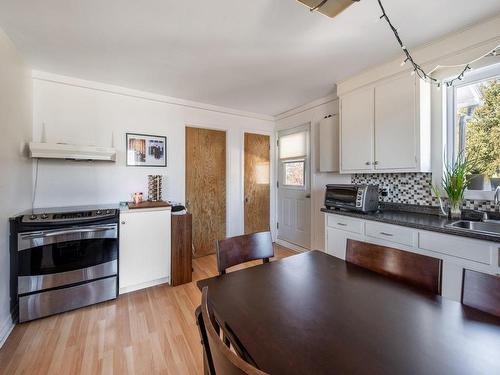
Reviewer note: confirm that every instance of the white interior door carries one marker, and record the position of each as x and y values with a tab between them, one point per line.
294	187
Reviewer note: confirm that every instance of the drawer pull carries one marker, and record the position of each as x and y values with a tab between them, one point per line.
386	234
342	224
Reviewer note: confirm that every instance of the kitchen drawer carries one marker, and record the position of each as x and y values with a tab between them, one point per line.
345	223
477	251
392	233
39	305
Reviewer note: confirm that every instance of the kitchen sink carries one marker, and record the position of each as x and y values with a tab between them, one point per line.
477	226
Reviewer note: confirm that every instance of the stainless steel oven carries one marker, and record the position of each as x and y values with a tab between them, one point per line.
63	262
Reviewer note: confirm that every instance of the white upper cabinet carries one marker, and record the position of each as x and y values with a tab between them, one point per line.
395	124
329	144
356	134
385	127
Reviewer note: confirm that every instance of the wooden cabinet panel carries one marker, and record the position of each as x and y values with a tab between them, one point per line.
357	131
395	124
182	249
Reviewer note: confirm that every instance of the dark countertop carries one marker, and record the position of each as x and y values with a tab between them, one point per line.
417	220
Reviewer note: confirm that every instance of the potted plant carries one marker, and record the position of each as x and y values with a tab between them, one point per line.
454	183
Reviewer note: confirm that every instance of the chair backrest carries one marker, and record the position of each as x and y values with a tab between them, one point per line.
418	270
481	291
208	364
225	362
240	249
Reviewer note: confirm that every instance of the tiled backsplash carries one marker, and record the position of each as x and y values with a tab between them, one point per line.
412	188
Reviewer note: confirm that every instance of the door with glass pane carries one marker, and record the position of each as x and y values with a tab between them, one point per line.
294	188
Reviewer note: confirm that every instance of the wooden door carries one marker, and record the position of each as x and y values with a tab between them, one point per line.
257	179
206	187
395	125
357	131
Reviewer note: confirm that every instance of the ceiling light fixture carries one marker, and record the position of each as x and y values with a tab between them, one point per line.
329	8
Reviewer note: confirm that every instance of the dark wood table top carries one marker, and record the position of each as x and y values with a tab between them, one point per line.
315	314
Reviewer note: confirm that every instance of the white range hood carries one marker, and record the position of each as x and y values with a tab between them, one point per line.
71	152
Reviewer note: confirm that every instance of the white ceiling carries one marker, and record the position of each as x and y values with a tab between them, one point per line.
264	56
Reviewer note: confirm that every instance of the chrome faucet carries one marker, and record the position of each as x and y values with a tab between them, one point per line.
496	201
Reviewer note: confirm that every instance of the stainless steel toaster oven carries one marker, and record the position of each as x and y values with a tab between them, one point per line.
362	198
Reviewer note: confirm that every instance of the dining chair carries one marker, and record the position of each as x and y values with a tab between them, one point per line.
481	291
223	360
241	249
418	270
208	365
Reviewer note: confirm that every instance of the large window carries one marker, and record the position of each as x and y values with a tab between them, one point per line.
474	126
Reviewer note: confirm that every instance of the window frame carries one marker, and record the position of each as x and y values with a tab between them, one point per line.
482	74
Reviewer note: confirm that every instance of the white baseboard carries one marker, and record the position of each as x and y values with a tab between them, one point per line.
148	284
5	330
291	246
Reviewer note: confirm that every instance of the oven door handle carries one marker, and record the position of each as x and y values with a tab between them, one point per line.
35	239
67	231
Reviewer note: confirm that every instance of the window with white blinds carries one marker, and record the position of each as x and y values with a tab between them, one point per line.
293	145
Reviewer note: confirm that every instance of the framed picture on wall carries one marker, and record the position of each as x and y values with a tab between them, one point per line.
146	150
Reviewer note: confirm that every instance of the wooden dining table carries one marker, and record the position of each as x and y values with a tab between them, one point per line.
313	313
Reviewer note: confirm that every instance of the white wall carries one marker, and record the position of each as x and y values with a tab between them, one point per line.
313	113
15	167
75	111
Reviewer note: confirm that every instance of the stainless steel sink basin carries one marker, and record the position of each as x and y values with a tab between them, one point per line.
477	226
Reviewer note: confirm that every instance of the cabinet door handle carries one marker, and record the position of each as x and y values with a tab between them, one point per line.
123	222
386	234
367	163
342	224
375	163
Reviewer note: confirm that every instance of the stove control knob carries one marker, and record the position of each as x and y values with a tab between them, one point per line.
108	212
33	217
44	216
98	212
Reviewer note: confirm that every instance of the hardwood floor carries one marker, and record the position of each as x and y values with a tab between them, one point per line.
152	331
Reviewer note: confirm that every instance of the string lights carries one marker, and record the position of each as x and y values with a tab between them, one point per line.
408	58
417	69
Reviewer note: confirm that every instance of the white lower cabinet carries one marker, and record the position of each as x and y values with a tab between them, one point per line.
336	241
456	252
144	258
